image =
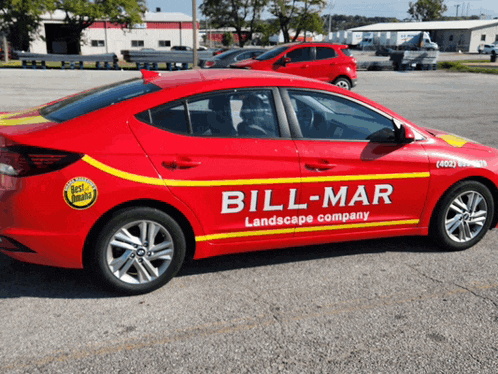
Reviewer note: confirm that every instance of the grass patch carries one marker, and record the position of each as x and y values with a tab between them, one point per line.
462	67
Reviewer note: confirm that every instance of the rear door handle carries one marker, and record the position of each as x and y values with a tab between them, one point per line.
180	164
319	166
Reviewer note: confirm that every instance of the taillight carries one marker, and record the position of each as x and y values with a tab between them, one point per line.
25	161
209	64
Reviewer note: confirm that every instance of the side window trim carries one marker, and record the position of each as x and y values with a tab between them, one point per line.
328	58
281	119
312	55
295	129
167	106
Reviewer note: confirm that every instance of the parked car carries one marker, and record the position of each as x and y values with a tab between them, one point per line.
323	61
487	48
181	48
129	179
220	51
227	58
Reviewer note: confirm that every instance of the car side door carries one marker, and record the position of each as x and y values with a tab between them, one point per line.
356	178
296	61
238	183
326	65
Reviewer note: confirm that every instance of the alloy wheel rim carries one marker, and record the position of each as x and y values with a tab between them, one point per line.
342	84
466	216
140	252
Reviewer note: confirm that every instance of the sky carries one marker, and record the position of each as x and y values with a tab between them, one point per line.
368	8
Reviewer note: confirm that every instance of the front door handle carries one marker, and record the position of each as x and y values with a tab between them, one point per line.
180	164
319	166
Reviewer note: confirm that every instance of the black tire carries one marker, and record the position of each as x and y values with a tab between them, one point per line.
463	216
343	83
122	259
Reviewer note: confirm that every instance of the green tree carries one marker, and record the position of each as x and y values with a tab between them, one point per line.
227	40
80	14
427	10
20	20
242	15
299	15
266	29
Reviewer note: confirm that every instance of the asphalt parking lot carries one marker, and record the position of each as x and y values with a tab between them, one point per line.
384	306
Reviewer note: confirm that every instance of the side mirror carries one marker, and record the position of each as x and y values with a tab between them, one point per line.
284	61
403	133
400	134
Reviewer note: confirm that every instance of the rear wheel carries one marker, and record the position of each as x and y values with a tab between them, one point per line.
463	216
138	250
343	83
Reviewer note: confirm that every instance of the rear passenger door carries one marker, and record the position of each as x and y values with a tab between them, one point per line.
326	65
235	184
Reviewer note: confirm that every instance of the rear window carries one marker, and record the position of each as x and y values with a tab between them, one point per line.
97	98
347	52
323	53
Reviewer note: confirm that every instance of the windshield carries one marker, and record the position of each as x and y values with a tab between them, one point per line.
272	53
96	99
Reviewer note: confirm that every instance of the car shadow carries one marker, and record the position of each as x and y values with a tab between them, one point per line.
18	279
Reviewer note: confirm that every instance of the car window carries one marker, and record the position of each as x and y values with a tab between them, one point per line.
300	54
322	53
243	56
170	117
226	54
96	99
347	52
322	116
243	113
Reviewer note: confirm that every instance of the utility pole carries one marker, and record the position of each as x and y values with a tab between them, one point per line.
194	28
330	6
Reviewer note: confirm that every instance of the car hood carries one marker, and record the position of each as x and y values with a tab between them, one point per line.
452	140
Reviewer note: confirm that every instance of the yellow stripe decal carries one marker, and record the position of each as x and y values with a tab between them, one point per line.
453	140
252	182
368	177
304	229
123	174
246	182
22	121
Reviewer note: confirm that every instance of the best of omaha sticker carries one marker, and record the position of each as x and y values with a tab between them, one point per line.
80	193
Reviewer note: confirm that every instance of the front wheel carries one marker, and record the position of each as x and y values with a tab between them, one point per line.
138	250
463	216
343	83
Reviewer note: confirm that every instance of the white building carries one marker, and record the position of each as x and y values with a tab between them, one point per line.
463	36
159	31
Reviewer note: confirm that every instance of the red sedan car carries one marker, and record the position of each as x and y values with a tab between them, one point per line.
129	179
332	63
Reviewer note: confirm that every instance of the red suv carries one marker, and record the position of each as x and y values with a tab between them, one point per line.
323	61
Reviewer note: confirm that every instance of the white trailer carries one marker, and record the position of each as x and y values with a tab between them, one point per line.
411	40
343	35
370	41
385	36
354	38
